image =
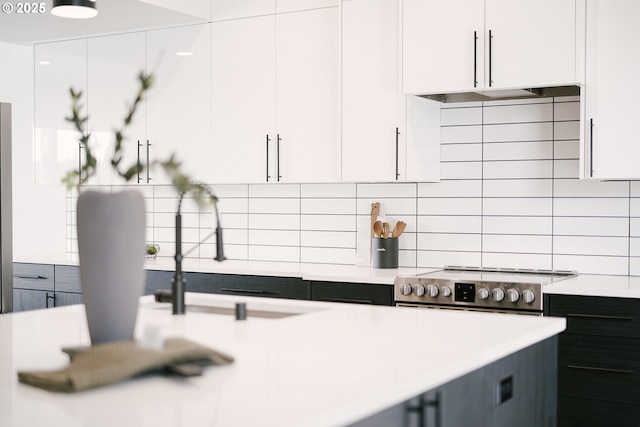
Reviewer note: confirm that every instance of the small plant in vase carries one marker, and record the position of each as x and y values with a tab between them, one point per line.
111	229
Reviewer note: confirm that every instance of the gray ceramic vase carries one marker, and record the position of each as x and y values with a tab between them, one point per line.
111	246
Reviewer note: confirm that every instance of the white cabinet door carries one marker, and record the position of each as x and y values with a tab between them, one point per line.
233	9
58	67
178	105
533	43
442	46
476	45
243	100
373	109
114	63
308	96
612	144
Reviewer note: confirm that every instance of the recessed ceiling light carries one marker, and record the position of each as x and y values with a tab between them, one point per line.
184	53
76	9
44	63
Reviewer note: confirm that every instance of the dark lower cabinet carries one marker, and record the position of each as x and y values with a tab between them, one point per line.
598	360
232	284
359	293
518	390
38	286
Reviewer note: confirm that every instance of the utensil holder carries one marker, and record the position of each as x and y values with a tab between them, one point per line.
384	253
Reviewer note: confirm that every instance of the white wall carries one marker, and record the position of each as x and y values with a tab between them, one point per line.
38	212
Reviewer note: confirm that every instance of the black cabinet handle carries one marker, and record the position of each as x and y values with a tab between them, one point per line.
243	291
30	277
268	176
148	162
278	158
139	145
591	147
475	59
490	57
600	317
349	300
50	297
594	368
397	156
421	408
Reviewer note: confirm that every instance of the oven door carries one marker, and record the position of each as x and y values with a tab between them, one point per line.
460	308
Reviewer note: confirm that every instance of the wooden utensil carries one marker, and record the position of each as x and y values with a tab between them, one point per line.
385	230
398	229
377	228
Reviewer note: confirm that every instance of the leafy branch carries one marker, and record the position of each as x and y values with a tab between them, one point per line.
77	177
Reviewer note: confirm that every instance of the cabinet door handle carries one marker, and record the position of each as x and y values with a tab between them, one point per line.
594	368
475	59
397	155
278	158
349	300
268	176
148	162
600	317
243	291
30	277
48	297
591	147
139	164
421	408
490	57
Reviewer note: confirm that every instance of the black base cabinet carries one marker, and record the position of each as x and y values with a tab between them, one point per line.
598	360
358	293
518	390
38	286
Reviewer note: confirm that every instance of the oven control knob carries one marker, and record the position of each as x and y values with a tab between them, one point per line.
497	294
528	296
418	290
446	291
513	295
432	290
483	293
405	289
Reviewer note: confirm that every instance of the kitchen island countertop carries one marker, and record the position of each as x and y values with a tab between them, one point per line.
331	365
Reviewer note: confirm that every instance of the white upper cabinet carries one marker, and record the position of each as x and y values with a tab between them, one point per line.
276	98
308	96
612	145
114	63
476	45
532	44
58	67
243	100
373	109
442	46
233	9
178	105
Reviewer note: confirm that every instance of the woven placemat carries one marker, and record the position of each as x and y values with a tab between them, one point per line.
109	363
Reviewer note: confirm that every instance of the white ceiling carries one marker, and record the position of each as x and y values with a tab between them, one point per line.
113	16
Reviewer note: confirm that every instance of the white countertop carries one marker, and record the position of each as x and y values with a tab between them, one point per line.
583	284
331	366
597	285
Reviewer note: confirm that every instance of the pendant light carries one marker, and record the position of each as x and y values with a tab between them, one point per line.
77	9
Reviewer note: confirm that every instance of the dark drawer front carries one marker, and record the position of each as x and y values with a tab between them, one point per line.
599	368
257	286
618	317
574	412
33	276
359	293
67	278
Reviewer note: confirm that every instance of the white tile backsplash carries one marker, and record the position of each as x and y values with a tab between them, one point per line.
508	197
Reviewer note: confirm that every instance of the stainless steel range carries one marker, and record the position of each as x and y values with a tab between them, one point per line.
477	288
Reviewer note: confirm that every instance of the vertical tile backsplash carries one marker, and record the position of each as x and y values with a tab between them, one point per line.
509	197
